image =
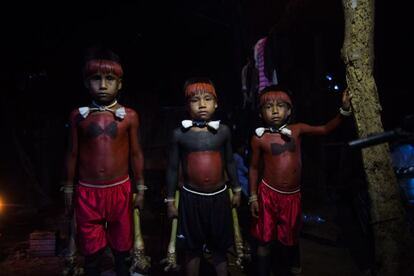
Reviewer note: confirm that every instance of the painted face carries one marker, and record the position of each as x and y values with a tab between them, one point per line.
275	112
103	87
202	106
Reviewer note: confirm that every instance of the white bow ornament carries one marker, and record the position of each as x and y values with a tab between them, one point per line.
282	130
119	112
212	124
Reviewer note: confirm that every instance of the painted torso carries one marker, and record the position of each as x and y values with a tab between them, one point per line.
282	159
201	155
103	146
281	155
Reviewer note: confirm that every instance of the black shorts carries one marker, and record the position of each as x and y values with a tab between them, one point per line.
204	221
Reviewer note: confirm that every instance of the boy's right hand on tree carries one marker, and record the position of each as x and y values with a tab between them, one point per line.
172	211
254	209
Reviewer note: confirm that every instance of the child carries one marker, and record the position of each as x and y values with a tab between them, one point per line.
103	144
203	149
275	198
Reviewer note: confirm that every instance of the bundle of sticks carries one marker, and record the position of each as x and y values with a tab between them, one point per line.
238	239
170	261
140	262
72	266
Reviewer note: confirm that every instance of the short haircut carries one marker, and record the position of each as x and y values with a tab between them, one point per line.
102	60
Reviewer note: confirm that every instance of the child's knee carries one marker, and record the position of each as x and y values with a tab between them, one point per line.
263	248
219	257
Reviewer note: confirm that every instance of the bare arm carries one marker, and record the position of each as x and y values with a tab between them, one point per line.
172	175
322	129
231	169
173	166
333	123
254	165
71	157
254	175
137	158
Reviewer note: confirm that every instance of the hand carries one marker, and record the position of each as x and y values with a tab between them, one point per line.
139	201
235	202
254	209
346	100
172	211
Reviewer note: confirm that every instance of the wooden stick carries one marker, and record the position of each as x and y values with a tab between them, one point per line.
171	260
140	262
238	239
138	240
173	236
72	267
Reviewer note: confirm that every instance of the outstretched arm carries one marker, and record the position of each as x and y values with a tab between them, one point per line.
137	158
345	110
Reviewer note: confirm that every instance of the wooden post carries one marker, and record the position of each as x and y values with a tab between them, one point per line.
387	214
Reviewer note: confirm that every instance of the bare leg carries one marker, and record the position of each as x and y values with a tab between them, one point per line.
294	259
192	264
92	263
220	263
263	260
283	259
121	266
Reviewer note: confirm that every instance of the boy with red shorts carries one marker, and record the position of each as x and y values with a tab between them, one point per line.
275	200
103	146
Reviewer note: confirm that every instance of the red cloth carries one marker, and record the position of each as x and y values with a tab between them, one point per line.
280	216
104	215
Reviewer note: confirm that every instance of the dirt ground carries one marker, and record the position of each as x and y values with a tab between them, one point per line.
326	248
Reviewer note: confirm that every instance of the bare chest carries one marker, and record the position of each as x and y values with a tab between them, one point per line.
102	125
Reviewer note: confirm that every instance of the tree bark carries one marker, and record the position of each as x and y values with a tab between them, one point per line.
387	214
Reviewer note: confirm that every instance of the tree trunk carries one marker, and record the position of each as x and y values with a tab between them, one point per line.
387	214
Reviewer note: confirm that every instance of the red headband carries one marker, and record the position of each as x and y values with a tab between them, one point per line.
103	66
199	87
274	96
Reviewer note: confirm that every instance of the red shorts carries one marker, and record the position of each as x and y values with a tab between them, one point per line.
280	216
104	215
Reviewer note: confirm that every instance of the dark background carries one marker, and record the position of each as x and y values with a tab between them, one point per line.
161	44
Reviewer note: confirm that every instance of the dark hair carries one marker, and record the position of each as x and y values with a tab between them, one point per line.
101	60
